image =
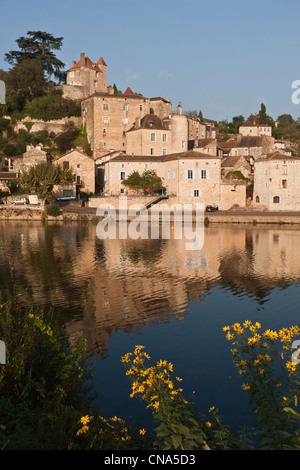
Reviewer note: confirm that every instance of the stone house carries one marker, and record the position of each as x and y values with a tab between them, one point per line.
86	77
277	182
31	157
191	176
109	118
84	168
234	163
252	127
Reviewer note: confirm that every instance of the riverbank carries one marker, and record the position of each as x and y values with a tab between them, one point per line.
69	213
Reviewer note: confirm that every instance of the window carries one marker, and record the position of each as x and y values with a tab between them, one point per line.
105	120
65	165
284	170
284	184
196	193
78	180
105	106
125	120
164	137
152	151
122	176
276	199
183	144
203	174
78	165
141	107
104	132
152	137
67	193
190	174
95	83
125	107
164	151
257	199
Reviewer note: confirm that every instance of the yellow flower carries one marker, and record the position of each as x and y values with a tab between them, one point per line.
246	387
85	419
142	432
226	328
211	409
208	424
179	379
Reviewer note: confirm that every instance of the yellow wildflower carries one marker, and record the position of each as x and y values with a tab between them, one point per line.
142	432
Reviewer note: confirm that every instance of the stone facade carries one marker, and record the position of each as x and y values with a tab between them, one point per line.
277	182
236	163
84	168
252	127
31	157
85	78
191	176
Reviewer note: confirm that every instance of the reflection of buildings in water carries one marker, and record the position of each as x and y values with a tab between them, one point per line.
105	285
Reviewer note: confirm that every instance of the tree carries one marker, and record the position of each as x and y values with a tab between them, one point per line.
236	122
149	181
24	82
42	177
39	45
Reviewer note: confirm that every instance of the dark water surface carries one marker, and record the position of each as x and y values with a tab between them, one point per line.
175	302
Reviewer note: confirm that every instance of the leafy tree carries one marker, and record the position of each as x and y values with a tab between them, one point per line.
149	181
51	106
236	122
42	177
134	181
39	45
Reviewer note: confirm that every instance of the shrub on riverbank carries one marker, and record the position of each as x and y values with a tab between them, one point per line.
41	384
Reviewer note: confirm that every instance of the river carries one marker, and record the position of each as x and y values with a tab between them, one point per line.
174	301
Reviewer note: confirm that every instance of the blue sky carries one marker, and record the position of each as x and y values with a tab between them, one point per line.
223	57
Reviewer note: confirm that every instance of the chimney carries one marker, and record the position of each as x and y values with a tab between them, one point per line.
138	123
73	63
179	109
82	59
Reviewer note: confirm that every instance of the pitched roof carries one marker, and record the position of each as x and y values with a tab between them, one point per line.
89	64
276	156
250	141
128	91
149	121
232	160
116	95
190	155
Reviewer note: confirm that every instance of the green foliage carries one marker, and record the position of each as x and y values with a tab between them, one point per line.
39	45
53	210
148	182
81	140
42	382
51	106
41	178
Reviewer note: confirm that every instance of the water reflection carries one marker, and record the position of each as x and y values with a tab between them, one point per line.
100	286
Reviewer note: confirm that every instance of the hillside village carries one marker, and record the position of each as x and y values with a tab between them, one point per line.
127	132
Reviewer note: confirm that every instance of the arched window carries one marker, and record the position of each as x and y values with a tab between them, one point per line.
276	199
257	199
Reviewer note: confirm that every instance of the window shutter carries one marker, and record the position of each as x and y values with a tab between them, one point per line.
207	174
186	174
199	174
192	193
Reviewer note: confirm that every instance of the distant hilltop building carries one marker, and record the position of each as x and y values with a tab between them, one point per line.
254	128
86	77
